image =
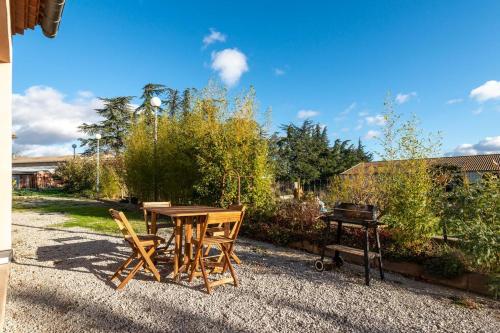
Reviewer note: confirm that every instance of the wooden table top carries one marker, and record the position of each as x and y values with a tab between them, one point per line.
185	211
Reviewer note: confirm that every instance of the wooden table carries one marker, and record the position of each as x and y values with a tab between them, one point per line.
183	217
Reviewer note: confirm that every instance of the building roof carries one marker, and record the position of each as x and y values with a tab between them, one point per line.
472	163
32	170
26	14
40	160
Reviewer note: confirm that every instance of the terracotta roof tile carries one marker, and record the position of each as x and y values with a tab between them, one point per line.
477	163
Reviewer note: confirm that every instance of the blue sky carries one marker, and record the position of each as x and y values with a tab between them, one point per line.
333	61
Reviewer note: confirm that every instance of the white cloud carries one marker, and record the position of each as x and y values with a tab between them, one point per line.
303	114
45	122
230	64
85	94
41	150
348	109
377	120
359	125
454	101
279	72
371	134
489	145
403	98
213	37
478	111
363	113
490	90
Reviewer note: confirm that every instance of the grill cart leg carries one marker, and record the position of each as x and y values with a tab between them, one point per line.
319	264
367	262
337	259
381	268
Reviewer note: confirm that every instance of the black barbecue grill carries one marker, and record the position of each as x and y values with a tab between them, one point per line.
348	215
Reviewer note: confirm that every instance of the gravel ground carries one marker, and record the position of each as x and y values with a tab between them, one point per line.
59	284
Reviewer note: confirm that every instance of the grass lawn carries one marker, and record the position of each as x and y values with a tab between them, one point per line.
51	192
84	213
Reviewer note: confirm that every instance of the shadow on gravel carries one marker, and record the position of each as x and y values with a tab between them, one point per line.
66	230
98	257
71	315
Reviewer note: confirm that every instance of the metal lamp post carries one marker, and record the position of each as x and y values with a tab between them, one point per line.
74	150
98	137
155	103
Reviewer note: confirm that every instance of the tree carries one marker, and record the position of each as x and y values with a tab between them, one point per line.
149	91
173	102
200	153
117	117
445	178
304	153
405	181
187	99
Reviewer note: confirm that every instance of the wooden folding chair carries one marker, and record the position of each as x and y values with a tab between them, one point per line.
219	231
143	249
147	220
161	225
224	242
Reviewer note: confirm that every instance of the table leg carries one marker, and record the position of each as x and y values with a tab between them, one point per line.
153	223
188	246
177	249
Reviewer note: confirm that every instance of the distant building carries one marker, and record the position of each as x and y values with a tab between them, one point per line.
472	166
36	172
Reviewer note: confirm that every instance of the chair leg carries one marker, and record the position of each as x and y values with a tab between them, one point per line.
207	251
230	266
194	264
150	265
235	258
131	274
170	240
205	276
123	266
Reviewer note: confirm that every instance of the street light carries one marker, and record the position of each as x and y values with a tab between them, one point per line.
155	103
74	150
98	137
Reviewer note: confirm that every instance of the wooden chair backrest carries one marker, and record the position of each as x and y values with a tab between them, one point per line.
125	227
153	204
224	219
159	204
236	227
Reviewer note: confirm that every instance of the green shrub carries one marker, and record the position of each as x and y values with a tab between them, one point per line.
494	284
77	175
109	186
405	182
448	264
474	213
299	215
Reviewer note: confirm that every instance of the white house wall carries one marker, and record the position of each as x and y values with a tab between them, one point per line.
5	152
5	132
